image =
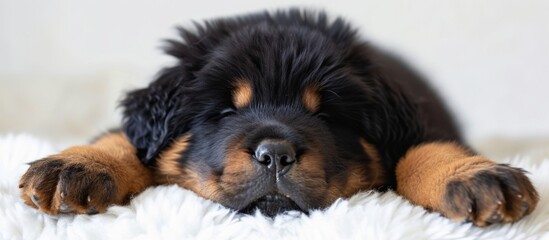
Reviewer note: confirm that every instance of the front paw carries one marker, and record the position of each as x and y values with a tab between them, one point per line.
68	183
487	194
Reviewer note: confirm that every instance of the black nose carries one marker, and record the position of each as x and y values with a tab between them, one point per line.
276	153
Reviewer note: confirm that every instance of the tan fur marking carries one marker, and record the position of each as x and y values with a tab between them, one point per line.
110	164
239	170
361	176
422	174
357	181
171	172
204	183
447	178
310	174
204	186
201	180
371	150
311	164
238	162
364	178
117	153
242	93
189	178
311	98
168	162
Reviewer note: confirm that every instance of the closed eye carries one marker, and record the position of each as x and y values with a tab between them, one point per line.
323	116
226	112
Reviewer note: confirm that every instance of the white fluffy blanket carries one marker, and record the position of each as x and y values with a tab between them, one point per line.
170	212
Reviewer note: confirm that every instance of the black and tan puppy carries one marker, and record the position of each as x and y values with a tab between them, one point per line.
282	111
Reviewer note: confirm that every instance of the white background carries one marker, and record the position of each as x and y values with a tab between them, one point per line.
64	64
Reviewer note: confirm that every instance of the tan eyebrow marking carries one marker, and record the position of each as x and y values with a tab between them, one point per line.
311	98
242	93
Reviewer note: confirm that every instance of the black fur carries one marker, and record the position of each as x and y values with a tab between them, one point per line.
365	93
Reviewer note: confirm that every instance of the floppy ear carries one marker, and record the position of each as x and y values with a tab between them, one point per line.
156	114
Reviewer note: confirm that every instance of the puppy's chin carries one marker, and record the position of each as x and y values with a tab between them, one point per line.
272	205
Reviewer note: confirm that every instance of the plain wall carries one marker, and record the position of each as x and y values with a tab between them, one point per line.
64	64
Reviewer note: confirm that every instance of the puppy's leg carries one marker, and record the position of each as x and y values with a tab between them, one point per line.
86	179
445	177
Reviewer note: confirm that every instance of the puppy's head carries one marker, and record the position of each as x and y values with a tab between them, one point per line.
259	115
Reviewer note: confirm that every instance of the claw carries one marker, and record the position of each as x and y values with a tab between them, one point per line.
34	199
523	208
92	211
64	208
495	218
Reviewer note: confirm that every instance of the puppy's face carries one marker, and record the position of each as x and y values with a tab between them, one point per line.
269	123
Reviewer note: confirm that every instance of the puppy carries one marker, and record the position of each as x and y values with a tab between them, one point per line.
277	112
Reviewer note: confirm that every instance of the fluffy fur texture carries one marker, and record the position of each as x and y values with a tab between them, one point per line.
170	212
282	111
